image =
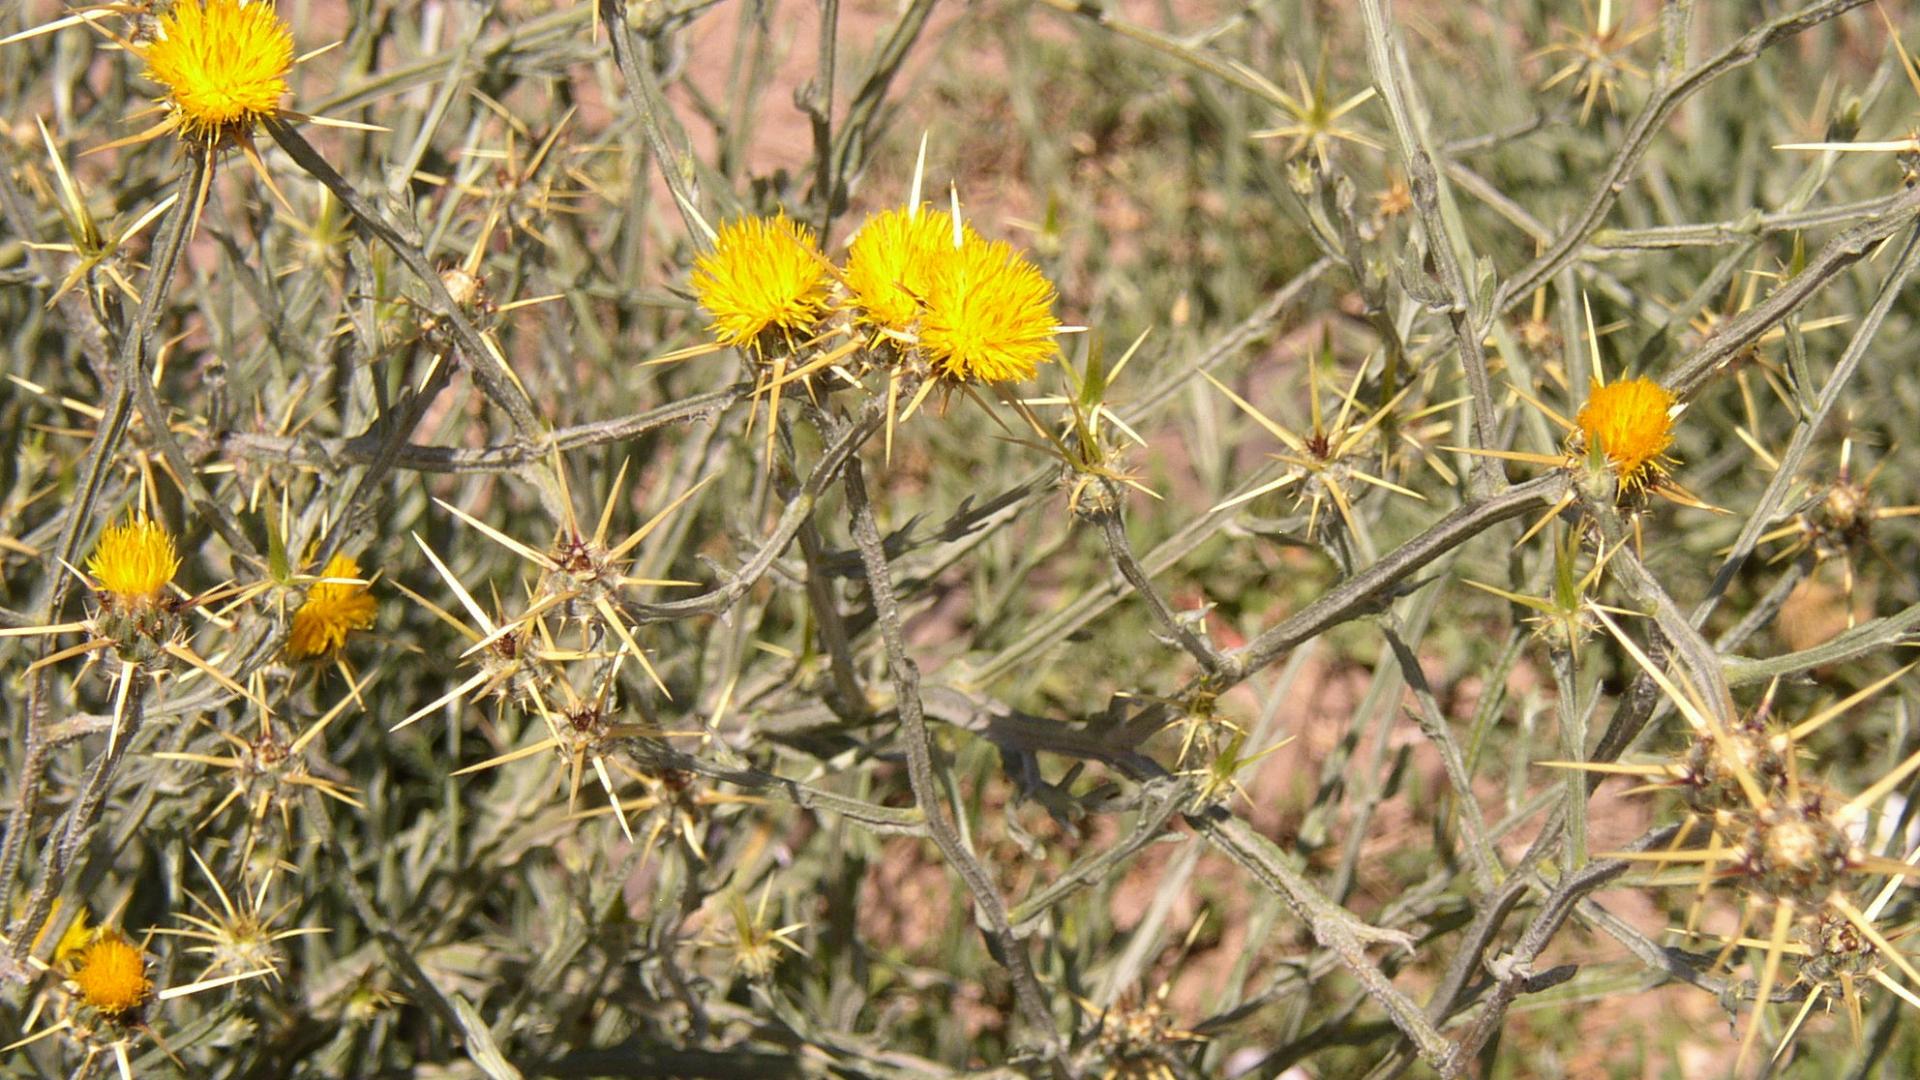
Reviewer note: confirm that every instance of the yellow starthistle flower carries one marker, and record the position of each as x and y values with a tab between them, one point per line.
989	314
1631	422
112	975
224	65
332	610
1616	445
763	274
890	265
134	561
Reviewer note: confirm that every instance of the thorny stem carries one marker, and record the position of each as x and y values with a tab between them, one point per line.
1513	973
65	841
1341	237
112	428
1101	596
1039	484
1492	911
1333	926
1743	330
498	458
1866	638
130	357
1665	960
1753	224
841	447
1631	712
1708	677
880	819
1764	610
1573	747
831	628
927	789
399	424
816	100
1651	120
1413	904
1433	724
1788	472
867	109
650	109
161	432
483	363
1378	582
1162	799
1365	783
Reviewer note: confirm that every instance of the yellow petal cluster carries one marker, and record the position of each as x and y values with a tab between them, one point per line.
1631	422
890	265
971	310
763	275
988	315
332	610
112	975
134	561
224	65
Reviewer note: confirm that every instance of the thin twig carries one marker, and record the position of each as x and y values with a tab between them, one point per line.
1446	248
1364	590
484	363
1121	551
927	790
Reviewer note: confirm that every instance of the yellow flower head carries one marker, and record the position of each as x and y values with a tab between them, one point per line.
332	610
224	64
989	314
134	560
112	975
1631	422
762	274
890	264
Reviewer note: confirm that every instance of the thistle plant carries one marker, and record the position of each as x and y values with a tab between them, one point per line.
1083	540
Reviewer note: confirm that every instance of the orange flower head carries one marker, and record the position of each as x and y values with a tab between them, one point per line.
1631	422
112	975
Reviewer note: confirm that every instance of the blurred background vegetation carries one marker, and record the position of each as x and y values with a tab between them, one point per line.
1214	176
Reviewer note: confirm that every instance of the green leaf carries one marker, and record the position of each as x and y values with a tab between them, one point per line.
277	565
1093	385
